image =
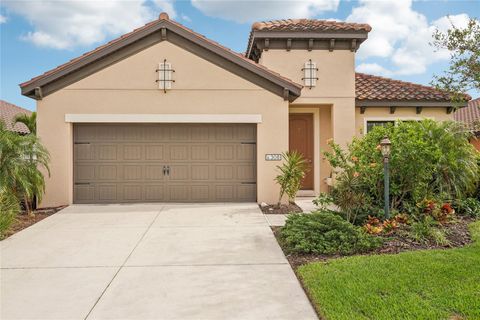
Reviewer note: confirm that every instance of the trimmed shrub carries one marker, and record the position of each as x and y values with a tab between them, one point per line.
323	232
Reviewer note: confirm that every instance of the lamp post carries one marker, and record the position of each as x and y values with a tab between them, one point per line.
385	145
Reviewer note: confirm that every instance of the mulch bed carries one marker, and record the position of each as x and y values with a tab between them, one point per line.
23	220
282	209
456	233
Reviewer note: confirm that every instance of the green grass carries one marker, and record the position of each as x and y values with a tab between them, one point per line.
430	284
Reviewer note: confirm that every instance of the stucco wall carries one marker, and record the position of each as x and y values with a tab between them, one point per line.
129	87
438	114
332	100
335	85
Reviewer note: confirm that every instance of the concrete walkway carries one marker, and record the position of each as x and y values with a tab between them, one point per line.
206	261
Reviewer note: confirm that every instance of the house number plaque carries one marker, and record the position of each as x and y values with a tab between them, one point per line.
273	157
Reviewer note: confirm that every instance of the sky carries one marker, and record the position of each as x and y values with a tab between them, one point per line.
38	35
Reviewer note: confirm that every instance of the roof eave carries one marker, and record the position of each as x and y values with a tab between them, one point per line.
408	103
360	35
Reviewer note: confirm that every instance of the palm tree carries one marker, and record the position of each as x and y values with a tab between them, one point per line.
21	160
30	121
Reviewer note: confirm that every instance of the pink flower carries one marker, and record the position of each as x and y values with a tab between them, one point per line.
356	174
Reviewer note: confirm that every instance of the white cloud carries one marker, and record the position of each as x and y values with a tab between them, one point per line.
373	68
3	19
166	6
185	18
243	11
63	24
400	35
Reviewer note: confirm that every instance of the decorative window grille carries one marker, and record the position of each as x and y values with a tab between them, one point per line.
310	74
165	75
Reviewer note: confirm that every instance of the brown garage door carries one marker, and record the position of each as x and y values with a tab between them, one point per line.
116	163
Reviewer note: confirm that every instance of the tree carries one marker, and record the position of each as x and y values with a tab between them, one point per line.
22	159
30	121
463	73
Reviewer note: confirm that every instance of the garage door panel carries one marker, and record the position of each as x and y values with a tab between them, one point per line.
246	173
179	152
155	192
132	192
224	192
200	152
224	152
127	162
246	191
200	133
224	172
154	152
179	192
107	192
179	133
107	152
155	133
84	173
133	152
84	193
133	172
200	172
106	172
246	133
132	133
83	151
224	133
84	133
200	193
179	173
154	172
246	152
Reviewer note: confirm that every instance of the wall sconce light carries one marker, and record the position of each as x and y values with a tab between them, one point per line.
165	72
310	74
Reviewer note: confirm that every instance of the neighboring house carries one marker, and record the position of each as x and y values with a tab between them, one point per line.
470	116
165	114
8	112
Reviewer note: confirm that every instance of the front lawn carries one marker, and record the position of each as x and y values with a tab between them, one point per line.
433	284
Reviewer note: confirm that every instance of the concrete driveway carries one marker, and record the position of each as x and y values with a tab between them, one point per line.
205	261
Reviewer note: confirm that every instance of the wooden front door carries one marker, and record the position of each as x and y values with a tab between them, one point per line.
301	140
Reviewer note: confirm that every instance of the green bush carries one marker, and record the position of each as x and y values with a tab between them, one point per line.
469	207
428	160
323	232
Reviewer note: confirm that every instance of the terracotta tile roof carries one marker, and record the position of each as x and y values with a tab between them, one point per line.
375	88
306	25
470	115
162	17
8	112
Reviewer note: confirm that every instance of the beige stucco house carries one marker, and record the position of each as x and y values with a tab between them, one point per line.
165	114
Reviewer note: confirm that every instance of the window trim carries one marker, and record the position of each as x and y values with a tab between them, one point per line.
394	119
